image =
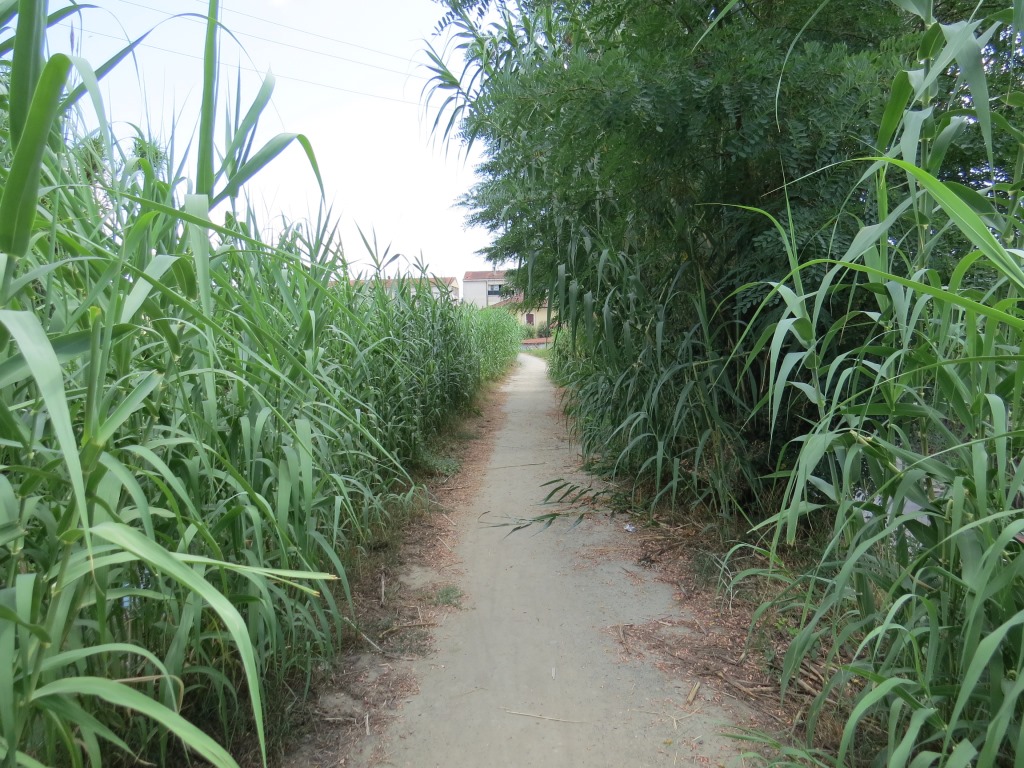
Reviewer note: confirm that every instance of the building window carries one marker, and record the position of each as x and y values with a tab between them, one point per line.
494	289
529	318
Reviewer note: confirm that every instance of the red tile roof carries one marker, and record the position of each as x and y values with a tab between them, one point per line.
485	275
517	301
510	301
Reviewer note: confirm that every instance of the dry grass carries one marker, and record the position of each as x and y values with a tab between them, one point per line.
713	639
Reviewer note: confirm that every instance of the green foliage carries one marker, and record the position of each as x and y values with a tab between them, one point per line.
915	450
496	335
197	428
608	138
786	243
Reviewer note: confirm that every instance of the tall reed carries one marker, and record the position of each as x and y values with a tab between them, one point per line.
197	426
914	457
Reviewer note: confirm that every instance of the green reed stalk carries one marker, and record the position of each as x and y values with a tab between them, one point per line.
199	430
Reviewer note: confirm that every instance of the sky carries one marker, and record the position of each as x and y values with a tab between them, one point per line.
349	76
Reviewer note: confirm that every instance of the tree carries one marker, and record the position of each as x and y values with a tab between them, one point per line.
623	156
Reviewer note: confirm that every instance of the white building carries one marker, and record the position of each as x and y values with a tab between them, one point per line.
483	288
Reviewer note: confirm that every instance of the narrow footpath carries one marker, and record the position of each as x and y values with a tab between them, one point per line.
535	668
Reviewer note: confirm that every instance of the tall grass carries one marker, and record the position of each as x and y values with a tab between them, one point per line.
197	427
663	407
914	457
497	335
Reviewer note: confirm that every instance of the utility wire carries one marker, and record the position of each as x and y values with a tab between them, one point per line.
250	69
287	45
305	32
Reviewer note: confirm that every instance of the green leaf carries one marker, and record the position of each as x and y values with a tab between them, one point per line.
969	223
894	109
6	614
91	86
27	66
263	157
968	51
66	347
237	150
21	193
160	559
151	275
41	360
121	695
20	757
208	109
139	392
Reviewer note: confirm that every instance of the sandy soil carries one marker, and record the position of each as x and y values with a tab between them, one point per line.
548	658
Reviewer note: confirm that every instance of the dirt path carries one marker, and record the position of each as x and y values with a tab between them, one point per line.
538	668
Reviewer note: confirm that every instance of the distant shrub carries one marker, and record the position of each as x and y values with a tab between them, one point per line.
497	335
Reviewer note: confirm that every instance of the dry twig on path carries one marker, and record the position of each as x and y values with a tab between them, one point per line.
693	693
622	637
544	717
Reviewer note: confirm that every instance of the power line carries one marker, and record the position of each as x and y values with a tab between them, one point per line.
252	69
306	32
287	45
